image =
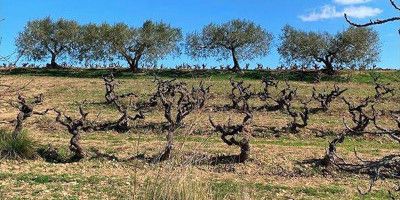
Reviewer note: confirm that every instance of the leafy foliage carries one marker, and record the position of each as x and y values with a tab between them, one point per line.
45	38
354	46
150	42
239	39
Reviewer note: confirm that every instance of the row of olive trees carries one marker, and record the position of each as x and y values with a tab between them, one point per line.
236	39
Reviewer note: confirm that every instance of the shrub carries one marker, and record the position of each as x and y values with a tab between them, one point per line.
22	147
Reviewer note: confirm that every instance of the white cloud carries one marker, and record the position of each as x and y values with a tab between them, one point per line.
362	11
326	12
350	2
329	12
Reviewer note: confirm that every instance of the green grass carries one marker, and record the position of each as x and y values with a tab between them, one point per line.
22	147
227	189
349	144
322	191
4	175
34	178
379	194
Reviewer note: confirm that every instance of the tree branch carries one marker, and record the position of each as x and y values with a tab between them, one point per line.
372	22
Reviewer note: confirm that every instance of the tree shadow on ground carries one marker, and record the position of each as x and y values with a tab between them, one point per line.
188	159
290	75
51	155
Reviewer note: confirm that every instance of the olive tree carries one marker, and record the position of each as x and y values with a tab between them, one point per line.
45	38
238	39
353	46
151	42
90	44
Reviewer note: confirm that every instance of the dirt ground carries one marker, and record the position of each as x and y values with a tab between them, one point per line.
278	167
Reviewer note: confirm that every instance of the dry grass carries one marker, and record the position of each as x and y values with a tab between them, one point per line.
275	170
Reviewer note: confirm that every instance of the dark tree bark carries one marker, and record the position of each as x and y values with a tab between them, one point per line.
359	116
377	21
166	154
328	68
330	157
26	110
133	62
123	123
386	167
112	98
293	126
244	150
110	85
53	62
285	96
325	99
178	102
327	60
381	90
239	96
75	145
228	133
236	66
134	65
75	127
393	133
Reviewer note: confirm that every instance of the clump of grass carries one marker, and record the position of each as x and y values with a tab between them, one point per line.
21	147
174	188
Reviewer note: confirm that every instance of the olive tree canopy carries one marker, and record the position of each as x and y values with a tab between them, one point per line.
90	45
150	42
354	46
238	39
45	38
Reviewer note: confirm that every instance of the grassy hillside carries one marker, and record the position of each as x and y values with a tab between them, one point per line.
278	168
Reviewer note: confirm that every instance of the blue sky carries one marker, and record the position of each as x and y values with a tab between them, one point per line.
191	15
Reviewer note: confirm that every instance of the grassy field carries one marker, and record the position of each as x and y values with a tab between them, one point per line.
277	168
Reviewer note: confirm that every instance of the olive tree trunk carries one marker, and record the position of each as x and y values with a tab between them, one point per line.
53	63
134	66
236	67
134	63
329	68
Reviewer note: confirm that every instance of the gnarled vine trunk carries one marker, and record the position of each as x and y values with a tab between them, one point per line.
75	145
166	154
244	150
